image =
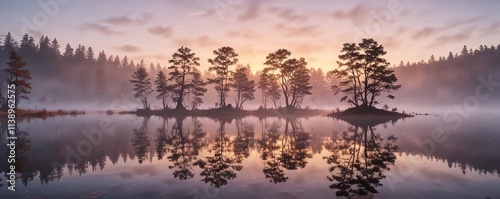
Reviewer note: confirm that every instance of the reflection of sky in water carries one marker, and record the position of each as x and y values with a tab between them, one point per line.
473	146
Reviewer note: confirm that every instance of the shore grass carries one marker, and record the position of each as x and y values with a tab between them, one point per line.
29	113
228	113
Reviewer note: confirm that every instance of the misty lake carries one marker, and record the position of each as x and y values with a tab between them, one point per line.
125	156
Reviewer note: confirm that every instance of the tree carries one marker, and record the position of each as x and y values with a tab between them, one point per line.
225	57
363	73
287	72
270	89
142	86
183	75
197	88
244	87
162	89
90	54
432	59
18	76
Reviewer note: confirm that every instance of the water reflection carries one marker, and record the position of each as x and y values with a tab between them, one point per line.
222	165
284	150
216	152
358	161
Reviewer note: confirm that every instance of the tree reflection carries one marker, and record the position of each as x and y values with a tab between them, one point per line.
220	168
358	161
184	148
141	141
289	151
243	141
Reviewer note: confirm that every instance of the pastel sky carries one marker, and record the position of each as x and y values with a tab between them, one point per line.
153	30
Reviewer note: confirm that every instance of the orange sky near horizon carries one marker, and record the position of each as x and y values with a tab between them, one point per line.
409	30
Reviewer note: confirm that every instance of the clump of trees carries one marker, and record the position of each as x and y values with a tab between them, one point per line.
17	78
364	74
225	57
142	86
244	87
292	75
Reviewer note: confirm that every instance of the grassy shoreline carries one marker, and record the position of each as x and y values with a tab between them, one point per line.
230	113
29	113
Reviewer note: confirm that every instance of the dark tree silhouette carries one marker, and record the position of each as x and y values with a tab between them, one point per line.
364	74
162	89
359	158
224	58
270	89
142	86
220	168
292	75
184	76
141	141
244	87
197	89
19	77
184	148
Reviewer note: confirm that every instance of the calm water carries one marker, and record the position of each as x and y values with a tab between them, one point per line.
123	156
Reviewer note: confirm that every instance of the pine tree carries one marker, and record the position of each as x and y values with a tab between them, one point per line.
364	73
285	69
142	86
224	58
183	75
162	89
244	87
18	76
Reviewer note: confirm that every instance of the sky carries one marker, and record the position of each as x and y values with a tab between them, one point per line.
153	30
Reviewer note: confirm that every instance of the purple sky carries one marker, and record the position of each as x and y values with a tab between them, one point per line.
316	30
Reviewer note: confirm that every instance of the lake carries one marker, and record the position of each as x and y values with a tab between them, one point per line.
125	156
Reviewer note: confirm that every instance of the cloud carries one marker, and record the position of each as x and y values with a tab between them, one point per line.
202	13
243	34
289	14
161	31
428	31
128	48
357	15
424	32
444	39
123	20
252	12
202	41
128	20
100	28
307	30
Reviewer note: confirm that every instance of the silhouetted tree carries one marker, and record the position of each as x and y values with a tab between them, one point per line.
142	86
183	74
224	58
197	88
359	158
162	89
222	166
141	141
244	87
292	75
363	73
270	88
18	76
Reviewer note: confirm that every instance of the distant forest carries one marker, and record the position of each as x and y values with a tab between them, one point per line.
68	76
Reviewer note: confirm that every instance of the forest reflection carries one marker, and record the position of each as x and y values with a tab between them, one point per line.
354	158
358	161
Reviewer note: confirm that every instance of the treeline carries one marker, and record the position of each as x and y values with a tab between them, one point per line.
79	74
75	75
451	79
